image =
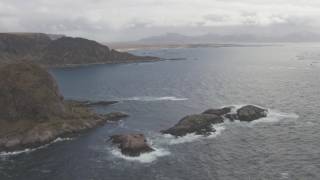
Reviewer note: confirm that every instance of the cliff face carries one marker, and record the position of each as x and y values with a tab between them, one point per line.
42	49
28	92
67	50
21	46
32	111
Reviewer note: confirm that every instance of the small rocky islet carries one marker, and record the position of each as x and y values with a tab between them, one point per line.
131	144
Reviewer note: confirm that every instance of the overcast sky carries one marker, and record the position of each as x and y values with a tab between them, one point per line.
120	20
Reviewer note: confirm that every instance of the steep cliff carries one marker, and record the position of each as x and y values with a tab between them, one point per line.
60	51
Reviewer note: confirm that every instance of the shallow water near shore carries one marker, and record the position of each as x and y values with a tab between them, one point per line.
285	145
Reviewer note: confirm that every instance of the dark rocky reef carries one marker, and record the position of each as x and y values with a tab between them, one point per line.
60	51
33	112
93	103
201	124
131	144
218	112
247	113
251	113
114	116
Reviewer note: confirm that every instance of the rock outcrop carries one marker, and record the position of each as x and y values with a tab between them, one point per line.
33	112
218	112
131	144
114	116
199	123
60	51
250	113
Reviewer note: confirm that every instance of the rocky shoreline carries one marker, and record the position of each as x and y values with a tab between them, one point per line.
22	135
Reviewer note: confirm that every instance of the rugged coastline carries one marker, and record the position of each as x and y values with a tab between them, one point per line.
34	113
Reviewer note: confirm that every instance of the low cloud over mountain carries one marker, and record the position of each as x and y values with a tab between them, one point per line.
124	20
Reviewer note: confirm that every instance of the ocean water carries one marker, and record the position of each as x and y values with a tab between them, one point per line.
285	145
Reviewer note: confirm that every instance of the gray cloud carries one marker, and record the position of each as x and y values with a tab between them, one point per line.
112	20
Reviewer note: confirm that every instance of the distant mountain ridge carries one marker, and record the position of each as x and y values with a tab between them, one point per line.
176	38
58	50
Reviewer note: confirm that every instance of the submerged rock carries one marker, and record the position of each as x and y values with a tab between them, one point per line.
131	144
218	112
92	103
199	123
114	116
231	117
250	113
101	103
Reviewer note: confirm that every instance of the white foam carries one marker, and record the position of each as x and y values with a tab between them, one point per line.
59	139
164	140
29	150
19	152
283	68
284	175
143	158
171	140
151	98
275	116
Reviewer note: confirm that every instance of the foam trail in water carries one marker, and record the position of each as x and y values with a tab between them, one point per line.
276	116
28	150
150	98
143	158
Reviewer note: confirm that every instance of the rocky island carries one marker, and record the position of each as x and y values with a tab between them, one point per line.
131	144
60	51
33	112
201	124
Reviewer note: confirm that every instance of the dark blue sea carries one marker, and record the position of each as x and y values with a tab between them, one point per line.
285	78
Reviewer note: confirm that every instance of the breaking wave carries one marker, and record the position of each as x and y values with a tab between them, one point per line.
143	158
276	116
29	150
171	140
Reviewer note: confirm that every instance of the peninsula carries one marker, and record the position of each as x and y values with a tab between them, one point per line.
60	51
